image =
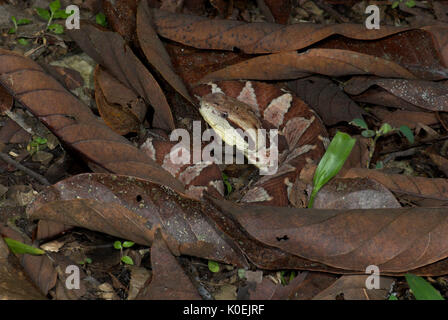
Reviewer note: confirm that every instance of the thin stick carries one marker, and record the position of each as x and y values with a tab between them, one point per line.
29	172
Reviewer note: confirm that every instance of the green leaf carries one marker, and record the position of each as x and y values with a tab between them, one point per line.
56	28
43	13
127	260
12	30
40	140
55	6
395	4
407	132
88	260
22	41
100	18
61	14
21	248
421	288
22	22
332	161
13	19
368	133
225	179
242	273
393	297
117	245
385	129
410	3
359	123
379	165
213	266
128	244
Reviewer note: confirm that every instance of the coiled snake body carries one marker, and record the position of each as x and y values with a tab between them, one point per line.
227	105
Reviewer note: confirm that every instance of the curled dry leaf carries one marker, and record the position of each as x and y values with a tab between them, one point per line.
327	99
395	240
74	123
421	187
428	95
399	118
258	38
131	208
120	108
169	281
292	65
155	51
110	50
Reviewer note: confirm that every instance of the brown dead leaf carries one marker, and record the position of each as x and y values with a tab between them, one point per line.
327	99
169	281
268	290
6	100
292	65
109	49
395	240
74	123
155	51
399	118
120	108
429	188
353	287
357	193
428	95
120	15
258	38
131	208
14	285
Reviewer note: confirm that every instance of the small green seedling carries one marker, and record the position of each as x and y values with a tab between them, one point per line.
225	179
283	276
409	3
85	261
54	13
36	144
100	18
213	266
125	244
17	23
21	248
332	161
374	135
422	289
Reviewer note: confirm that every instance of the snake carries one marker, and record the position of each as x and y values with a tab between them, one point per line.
227	106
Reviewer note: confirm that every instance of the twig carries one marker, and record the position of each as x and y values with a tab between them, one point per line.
29	172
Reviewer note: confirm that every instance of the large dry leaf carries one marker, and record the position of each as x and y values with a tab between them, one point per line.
204	33
421	51
131	208
421	187
428	95
155	51
292	65
395	240
74	123
327	99
110	50
169	281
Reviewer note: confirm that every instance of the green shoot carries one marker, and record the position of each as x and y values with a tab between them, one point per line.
21	248
100	18
120	246
374	135
332	161
422	289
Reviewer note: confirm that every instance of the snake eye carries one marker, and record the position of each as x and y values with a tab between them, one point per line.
225	115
